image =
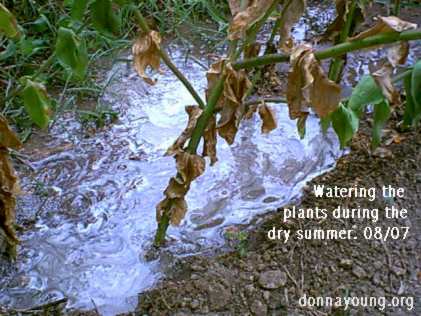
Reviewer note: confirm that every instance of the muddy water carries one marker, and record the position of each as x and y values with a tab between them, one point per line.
97	216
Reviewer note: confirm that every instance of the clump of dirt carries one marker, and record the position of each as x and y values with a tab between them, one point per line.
271	277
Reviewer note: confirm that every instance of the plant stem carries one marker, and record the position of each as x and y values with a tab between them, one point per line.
334	51
203	120
337	64
251	37
161	231
278	22
145	28
397	8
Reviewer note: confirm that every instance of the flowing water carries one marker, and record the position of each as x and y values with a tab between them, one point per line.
98	218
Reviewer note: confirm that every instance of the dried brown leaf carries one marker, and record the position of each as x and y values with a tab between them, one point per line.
189	166
297	80
194	113
9	188
383	78
251	109
243	20
309	86
8	138
176	188
291	13
336	26
384	25
209	141
146	53
212	75
342	8
235	87
268	117
398	53
325	94
176	208
252	50
178	211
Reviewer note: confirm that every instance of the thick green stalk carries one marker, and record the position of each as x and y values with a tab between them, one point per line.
337	64
206	115
161	231
334	51
145	28
397	8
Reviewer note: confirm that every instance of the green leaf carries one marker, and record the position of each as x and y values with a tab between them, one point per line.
103	17
366	92
345	123
416	85
9	51
36	101
412	112
41	24
78	9
71	52
8	24
381	115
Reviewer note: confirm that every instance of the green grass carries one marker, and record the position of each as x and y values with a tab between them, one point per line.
40	21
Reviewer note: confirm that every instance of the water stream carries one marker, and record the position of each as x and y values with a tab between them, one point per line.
98	220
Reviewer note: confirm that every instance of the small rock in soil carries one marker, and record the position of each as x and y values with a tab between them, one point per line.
359	272
219	296
258	308
273	279
346	263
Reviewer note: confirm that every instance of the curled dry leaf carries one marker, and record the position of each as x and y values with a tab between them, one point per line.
8	138
176	188
383	78
235	87
177	209
309	86
252	50
209	141
384	25
297	80
212	75
251	109
398	53
342	8
325	94
243	20
292	11
268	117
146	53
189	166
194	113
9	188
174	201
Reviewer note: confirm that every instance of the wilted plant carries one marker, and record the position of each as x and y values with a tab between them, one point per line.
231	81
